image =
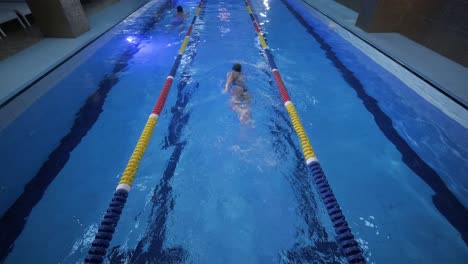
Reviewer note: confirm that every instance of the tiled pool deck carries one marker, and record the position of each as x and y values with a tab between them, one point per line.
23	68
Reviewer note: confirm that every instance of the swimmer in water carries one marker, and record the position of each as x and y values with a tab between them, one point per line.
240	100
178	19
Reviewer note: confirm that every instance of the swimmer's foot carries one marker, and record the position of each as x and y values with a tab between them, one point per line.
243	115
247	121
244	118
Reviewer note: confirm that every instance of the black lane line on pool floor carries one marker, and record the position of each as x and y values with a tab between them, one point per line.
150	248
444	200
320	248
14	219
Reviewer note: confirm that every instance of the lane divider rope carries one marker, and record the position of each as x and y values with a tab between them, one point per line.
348	244
109	222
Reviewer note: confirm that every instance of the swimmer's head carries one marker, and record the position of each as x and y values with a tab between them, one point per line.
180	9
236	67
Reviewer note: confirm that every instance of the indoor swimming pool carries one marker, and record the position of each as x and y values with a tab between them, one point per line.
213	189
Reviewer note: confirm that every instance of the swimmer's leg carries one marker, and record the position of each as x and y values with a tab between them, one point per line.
243	110
236	106
245	116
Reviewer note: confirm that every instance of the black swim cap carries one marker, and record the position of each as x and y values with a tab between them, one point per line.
180	9
237	67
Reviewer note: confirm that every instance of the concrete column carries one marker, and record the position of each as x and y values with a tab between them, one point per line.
441	25
59	18
353	4
382	15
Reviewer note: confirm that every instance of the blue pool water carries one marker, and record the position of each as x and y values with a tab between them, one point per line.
210	189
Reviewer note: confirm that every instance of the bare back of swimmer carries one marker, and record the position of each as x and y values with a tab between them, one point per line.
240	100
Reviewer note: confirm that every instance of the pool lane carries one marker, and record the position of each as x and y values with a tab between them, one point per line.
228	193
444	200
391	174
348	244
14	219
111	218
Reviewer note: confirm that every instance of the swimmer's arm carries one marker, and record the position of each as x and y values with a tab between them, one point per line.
228	82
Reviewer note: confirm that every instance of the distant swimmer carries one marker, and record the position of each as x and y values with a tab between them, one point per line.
240	100
178	19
